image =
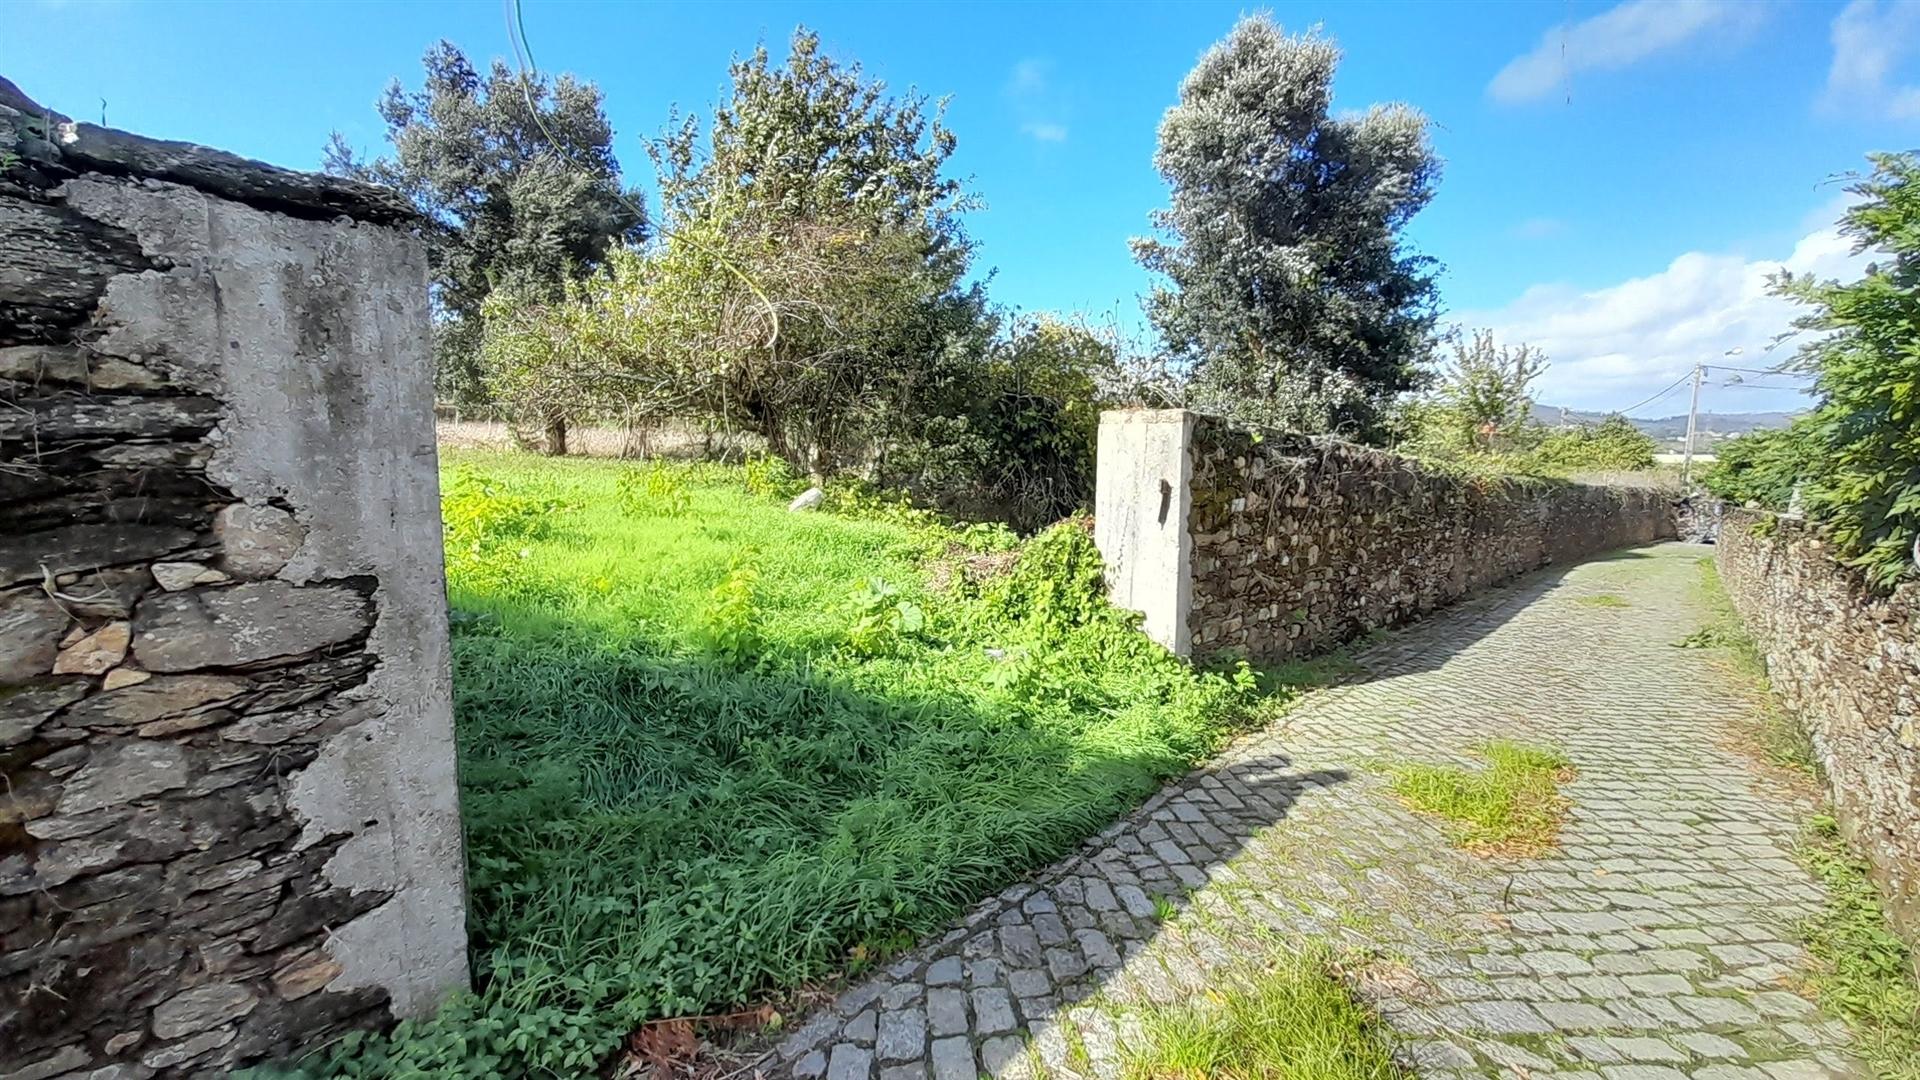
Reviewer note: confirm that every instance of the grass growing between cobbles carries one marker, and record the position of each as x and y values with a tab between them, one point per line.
1290	1018
1604	600
1862	973
1512	806
1780	736
713	751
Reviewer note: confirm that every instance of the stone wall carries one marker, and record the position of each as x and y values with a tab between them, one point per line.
1847	661
1272	545
228	823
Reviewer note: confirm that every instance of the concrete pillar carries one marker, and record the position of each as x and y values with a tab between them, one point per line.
229	824
1143	495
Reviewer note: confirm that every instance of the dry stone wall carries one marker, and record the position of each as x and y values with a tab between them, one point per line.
1273	545
228	823
1847	661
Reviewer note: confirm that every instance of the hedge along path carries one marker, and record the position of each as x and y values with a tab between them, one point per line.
1655	942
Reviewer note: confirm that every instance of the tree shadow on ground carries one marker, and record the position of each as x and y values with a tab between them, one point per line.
655	834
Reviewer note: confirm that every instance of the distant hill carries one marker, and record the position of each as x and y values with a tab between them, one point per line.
1712	426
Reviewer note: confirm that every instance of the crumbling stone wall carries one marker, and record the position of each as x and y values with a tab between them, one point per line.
1847	661
1273	545
228	823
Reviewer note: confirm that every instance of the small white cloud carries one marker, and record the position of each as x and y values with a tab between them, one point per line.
1613	346
1614	39
1869	41
1036	102
1539	228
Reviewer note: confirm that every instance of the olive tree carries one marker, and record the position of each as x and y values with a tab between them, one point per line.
1290	296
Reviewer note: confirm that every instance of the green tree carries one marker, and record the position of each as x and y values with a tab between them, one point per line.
518	182
1613	444
1863	483
1489	386
816	249
1291	295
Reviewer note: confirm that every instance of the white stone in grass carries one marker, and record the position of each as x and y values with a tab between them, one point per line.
807	500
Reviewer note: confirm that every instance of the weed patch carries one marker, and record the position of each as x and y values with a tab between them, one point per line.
712	750
1780	736
1289	1019
1863	973
1511	806
1604	600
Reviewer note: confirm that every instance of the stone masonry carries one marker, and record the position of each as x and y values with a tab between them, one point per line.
228	823
1846	660
1655	943
1272	545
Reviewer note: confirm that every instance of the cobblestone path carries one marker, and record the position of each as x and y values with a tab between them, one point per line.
1655	944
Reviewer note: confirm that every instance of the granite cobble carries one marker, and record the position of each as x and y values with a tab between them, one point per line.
1654	942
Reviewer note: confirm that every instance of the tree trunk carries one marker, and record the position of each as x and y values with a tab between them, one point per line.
556	436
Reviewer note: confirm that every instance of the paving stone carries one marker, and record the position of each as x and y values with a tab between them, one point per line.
993	1011
952	1059
947	1011
1652	943
903	1035
849	1062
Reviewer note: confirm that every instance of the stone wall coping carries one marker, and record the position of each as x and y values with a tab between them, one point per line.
52	147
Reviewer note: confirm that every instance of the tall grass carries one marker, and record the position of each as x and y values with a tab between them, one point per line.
711	750
1513	805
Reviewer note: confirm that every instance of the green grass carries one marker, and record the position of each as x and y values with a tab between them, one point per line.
1511	806
1781	738
1863	973
1604	600
712	751
1289	1019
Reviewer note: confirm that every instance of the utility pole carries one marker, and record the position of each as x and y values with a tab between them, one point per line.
1693	417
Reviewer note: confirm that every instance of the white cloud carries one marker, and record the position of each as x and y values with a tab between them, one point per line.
1869	40
1036	101
1614	346
1614	39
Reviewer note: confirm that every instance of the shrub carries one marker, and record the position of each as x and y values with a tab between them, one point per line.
1862	445
1762	467
655	489
1614	443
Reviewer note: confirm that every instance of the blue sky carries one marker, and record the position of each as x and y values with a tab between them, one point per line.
1619	177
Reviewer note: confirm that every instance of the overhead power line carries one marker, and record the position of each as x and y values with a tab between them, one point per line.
1677	384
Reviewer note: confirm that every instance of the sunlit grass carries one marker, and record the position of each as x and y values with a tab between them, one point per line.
712	750
1512	805
1288	1019
1604	600
1863	972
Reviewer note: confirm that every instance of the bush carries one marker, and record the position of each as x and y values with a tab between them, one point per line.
1861	447
1612	444
1762	467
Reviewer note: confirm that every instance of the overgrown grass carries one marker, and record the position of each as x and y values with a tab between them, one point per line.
1780	735
1605	600
712	750
1289	1019
1863	972
1511	806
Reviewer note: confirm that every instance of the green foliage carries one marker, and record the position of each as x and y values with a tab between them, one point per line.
769	476
506	208
1763	467
1291	297
1863	478
1290	1018
656	489
1863	971
1612	444
663	819
1512	805
490	530
729	622
881	617
1484	403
